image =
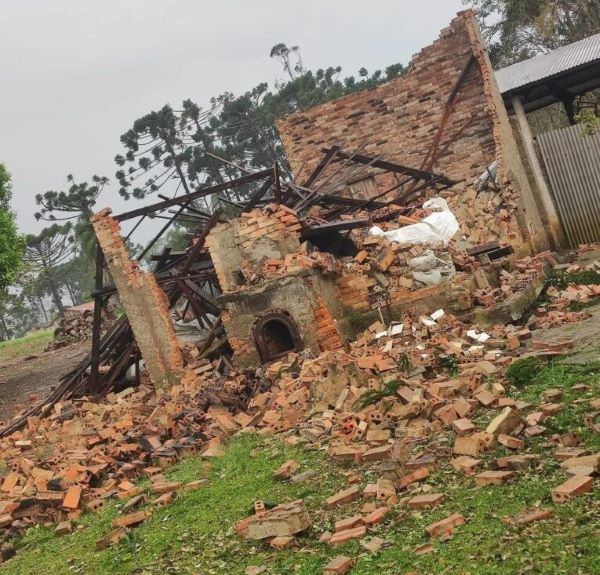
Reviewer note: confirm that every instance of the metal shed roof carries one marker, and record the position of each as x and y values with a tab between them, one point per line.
546	66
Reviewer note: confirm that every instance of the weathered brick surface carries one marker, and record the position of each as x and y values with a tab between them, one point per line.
400	118
399	121
145	304
245	241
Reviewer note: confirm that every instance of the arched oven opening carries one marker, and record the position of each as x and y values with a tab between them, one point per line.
275	335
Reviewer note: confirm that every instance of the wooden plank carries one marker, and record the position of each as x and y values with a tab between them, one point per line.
97	322
322	166
206	298
199	243
277	180
336	226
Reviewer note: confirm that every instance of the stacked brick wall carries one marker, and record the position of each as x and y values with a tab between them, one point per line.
399	121
327	334
274	224
517	188
145	304
354	290
240	347
237	246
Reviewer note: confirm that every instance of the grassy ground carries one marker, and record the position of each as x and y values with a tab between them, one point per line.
33	344
195	534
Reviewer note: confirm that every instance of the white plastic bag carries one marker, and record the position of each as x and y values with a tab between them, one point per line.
439	226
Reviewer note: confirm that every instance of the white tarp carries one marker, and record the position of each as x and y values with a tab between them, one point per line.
439	226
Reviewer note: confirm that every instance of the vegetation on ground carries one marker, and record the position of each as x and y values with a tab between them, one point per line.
195	534
32	344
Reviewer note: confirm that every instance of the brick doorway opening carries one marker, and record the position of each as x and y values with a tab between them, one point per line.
276	334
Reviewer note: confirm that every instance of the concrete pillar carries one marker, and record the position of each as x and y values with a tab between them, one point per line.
144	302
548	211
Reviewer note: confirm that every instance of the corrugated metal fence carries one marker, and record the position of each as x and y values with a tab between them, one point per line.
573	165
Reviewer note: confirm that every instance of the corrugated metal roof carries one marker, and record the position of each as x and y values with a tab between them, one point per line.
547	65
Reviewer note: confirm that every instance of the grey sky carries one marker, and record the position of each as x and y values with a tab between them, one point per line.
75	74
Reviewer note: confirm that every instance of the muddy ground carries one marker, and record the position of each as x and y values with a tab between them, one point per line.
27	380
585	335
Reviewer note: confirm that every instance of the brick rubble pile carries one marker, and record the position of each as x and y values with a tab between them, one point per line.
392	396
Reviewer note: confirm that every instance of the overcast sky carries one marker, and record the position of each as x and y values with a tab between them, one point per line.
75	74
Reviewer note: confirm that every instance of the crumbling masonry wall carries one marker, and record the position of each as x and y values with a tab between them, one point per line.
399	121
261	269
145	304
512	169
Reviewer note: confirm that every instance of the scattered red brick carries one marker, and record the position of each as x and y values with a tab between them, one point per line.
445	526
573	487
339	565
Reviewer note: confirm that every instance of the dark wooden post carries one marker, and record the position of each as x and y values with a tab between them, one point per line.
97	324
277	180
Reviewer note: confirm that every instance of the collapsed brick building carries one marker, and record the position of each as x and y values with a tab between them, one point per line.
446	113
439	130
299	269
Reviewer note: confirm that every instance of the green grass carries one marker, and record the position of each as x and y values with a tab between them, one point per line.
32	344
562	280
195	534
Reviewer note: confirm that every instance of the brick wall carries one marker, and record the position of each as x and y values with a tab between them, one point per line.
327	334
239	245
145	304
304	296
399	120
354	290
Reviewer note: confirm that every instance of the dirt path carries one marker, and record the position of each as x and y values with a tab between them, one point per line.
28	380
585	335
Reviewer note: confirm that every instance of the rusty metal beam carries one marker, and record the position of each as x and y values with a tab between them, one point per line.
160	206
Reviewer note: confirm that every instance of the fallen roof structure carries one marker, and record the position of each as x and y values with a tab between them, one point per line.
146	330
284	273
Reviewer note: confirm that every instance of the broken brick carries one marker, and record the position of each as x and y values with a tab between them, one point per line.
528	516
348	523
347	535
376	516
286	470
112	538
339	565
72	497
283	542
131	520
505	422
63	528
445	526
281	521
493	477
344	496
463	426
465	464
422	501
577	485
414	477
510	441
